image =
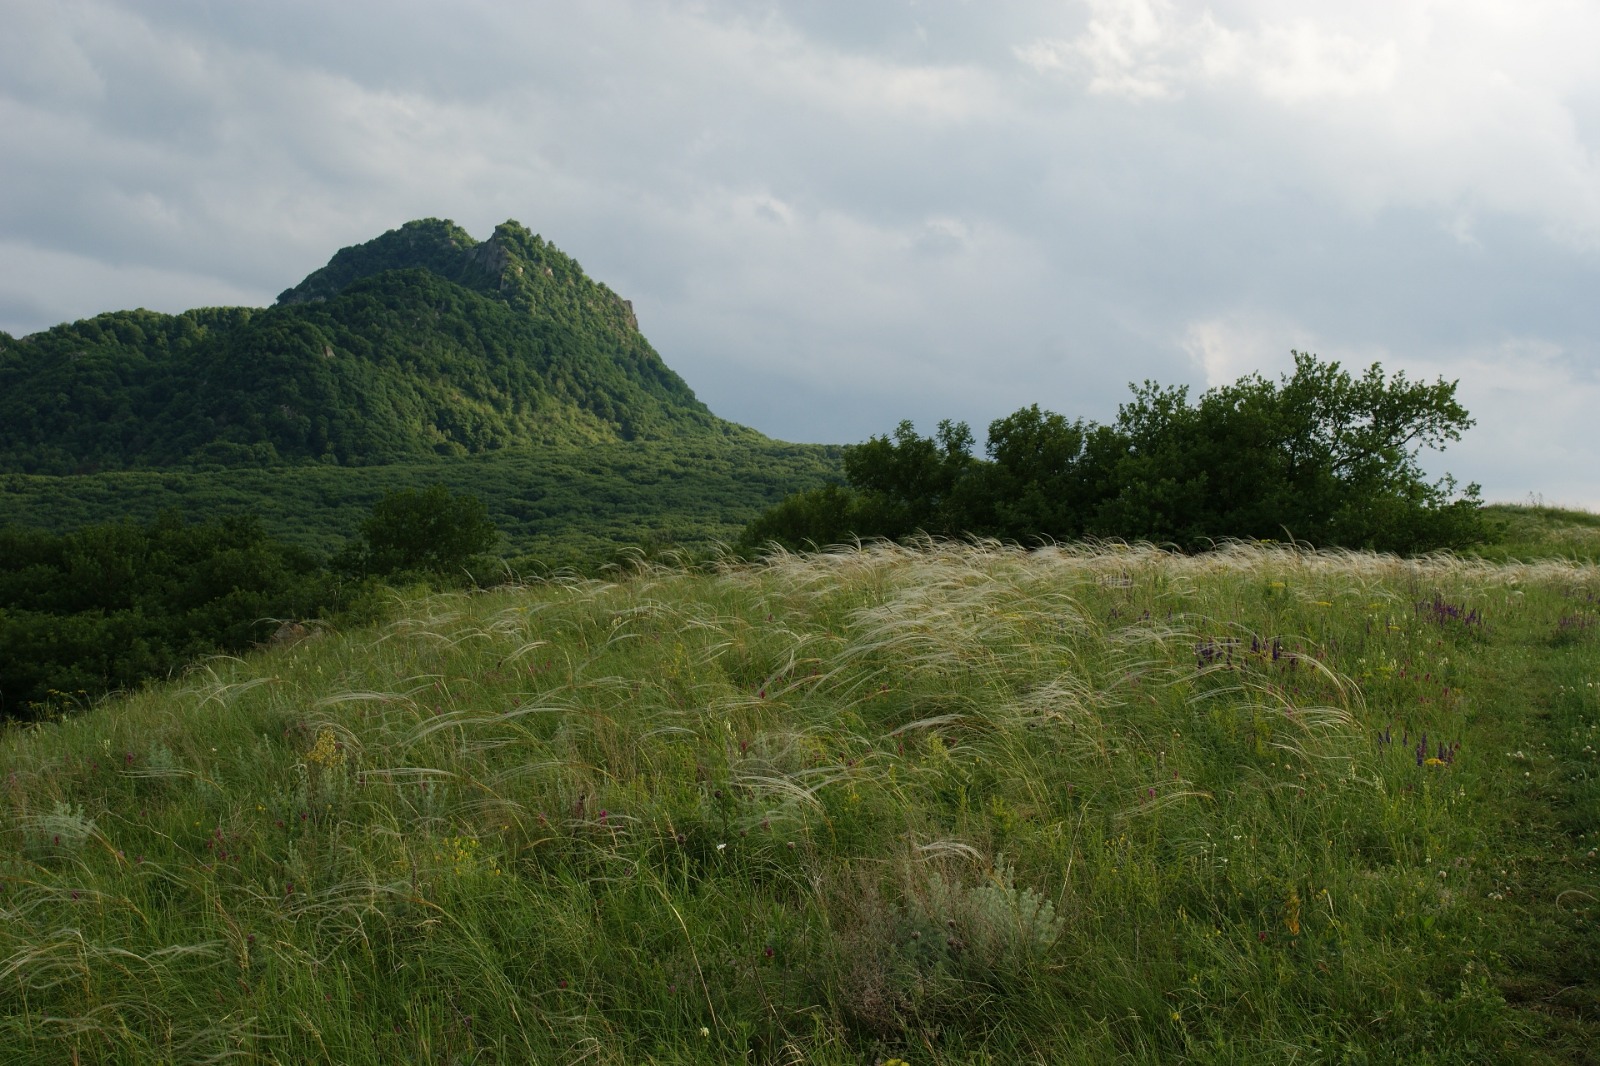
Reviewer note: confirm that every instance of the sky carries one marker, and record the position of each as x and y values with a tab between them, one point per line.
831	216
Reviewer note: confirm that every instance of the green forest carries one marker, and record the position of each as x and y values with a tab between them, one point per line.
562	504
422	343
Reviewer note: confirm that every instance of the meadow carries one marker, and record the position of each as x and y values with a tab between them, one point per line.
946	803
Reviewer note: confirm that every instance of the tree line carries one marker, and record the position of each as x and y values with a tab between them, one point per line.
1320	456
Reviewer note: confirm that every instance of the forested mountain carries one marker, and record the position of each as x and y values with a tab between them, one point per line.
422	342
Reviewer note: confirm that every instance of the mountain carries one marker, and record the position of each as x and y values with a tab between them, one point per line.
420	343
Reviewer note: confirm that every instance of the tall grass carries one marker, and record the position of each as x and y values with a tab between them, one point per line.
950	803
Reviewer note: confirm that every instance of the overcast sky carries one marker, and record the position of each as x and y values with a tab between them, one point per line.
831	216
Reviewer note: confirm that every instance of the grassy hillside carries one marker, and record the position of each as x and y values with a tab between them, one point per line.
1539	532
941	806
562	503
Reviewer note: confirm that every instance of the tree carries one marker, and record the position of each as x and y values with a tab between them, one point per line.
1320	456
910	483
429	531
107	606
1045	477
812	519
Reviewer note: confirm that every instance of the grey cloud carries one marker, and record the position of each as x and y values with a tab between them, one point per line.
834	215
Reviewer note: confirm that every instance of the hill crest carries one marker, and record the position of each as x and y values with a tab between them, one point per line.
422	341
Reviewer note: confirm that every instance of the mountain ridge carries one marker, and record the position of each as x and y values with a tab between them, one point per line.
420	342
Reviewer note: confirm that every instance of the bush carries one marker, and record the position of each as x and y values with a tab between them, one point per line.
428	531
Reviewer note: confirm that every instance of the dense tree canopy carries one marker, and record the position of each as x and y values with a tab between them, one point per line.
107	606
1320	456
110	605
420	343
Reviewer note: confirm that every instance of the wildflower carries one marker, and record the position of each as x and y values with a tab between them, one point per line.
327	751
704	1032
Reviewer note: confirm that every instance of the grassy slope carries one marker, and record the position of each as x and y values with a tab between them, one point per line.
954	806
553	503
1534	532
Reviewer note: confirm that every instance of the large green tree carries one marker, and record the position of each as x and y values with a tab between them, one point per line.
1320	455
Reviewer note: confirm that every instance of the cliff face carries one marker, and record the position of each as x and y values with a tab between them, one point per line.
420	341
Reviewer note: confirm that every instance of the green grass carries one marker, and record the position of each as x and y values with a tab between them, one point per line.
947	805
1534	531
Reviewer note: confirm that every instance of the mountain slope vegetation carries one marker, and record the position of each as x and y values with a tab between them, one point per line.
420	343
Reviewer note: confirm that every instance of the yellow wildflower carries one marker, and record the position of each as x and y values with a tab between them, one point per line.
326	752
